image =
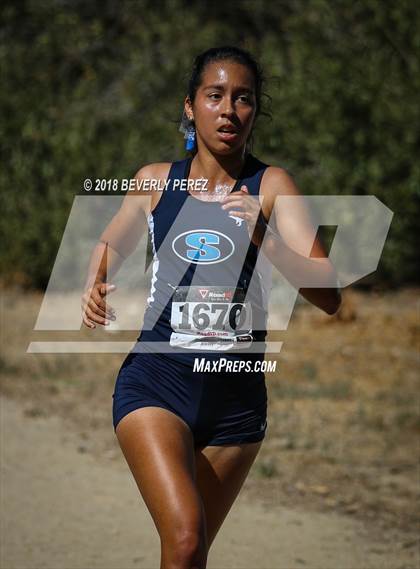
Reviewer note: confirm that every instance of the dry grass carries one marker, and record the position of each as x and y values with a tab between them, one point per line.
343	404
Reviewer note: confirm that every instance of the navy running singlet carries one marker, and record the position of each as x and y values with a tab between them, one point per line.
209	288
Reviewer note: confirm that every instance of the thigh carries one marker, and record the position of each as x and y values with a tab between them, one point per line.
220	474
159	449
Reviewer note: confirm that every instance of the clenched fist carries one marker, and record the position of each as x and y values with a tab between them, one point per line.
94	308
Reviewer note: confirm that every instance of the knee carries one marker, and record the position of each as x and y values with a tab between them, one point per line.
187	549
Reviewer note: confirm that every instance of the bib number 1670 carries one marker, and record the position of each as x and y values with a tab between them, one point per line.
214	316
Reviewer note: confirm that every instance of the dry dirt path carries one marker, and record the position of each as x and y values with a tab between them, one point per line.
63	509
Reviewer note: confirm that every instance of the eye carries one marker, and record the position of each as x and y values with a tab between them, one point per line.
214	96
245	99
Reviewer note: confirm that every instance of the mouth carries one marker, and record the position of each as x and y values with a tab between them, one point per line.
227	132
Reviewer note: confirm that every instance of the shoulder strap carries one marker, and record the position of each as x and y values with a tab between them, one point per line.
171	192
177	172
253	174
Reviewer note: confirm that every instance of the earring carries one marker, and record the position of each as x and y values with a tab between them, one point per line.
187	127
190	136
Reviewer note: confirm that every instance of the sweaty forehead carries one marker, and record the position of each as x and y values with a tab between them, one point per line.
225	72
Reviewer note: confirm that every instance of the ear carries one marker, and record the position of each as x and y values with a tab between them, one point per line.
188	108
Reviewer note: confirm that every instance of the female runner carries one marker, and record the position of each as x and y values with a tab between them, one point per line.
191	437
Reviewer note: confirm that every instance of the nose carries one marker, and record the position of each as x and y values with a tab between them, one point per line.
228	108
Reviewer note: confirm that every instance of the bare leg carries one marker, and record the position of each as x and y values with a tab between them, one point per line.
159	449
221	472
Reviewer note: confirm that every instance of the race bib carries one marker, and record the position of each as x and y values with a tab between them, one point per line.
213	317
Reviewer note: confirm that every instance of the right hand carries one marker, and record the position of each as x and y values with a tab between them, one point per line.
94	308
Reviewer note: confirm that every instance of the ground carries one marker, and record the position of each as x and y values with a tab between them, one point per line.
335	484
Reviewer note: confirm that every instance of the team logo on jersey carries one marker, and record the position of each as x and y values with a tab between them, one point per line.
203	246
204	292
237	219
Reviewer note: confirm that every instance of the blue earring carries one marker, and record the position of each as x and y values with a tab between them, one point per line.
190	143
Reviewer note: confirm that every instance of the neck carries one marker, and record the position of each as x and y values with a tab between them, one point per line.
217	169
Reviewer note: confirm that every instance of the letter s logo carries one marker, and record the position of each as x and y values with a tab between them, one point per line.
203	246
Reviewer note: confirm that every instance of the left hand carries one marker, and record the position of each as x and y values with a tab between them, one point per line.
251	209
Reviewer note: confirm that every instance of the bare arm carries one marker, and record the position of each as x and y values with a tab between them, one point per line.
119	240
289	238
294	238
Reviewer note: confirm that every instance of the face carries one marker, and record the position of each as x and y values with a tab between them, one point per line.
224	107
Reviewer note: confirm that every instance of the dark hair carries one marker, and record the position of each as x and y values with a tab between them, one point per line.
227	53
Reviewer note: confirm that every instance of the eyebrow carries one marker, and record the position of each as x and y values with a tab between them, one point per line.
221	88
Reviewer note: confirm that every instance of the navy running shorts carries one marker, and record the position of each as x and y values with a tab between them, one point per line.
219	408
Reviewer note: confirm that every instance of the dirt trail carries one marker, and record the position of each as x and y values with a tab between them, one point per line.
65	509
